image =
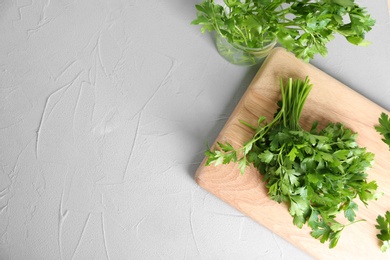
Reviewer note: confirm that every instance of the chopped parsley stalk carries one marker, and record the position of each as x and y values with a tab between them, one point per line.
384	228
384	128
318	173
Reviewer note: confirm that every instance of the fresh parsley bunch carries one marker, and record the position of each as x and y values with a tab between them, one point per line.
318	173
302	26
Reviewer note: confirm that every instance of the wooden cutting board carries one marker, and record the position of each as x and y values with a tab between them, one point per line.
329	100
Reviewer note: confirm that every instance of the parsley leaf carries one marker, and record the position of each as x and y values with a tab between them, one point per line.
384	228
384	128
350	211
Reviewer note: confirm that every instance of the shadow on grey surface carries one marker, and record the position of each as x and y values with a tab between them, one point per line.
186	12
214	131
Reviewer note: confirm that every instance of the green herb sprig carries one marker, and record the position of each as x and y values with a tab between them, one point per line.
304	27
384	128
384	228
318	173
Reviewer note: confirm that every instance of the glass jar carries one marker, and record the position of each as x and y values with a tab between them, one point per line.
241	55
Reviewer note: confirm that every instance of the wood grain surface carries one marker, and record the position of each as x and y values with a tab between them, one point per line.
329	100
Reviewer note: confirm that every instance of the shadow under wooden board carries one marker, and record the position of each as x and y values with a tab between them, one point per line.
329	100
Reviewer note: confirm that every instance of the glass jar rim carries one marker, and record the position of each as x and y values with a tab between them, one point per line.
250	49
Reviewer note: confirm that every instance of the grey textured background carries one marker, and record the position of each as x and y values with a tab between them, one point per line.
105	111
